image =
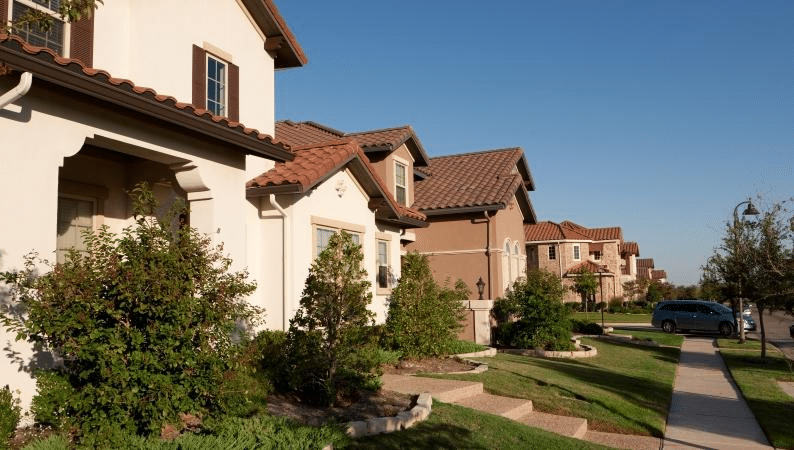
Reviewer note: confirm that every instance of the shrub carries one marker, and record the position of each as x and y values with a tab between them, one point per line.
145	323
424	318
616	305
543	320
10	413
585	327
327	333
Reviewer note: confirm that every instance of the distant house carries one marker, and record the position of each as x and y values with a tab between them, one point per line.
645	267
75	138
477	205
567	249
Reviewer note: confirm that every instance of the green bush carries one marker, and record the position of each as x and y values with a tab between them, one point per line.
326	338
145	322
616	305
10	413
585	327
424	318
543	319
458	347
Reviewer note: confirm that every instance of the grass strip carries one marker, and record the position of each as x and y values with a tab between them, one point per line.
757	379
624	389
455	427
659	337
612	318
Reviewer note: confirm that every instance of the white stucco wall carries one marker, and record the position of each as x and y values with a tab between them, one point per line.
323	203
151	43
46	126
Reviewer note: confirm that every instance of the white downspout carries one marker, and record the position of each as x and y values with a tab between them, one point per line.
285	262
18	91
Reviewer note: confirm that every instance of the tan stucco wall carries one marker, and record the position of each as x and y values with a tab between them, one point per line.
384	167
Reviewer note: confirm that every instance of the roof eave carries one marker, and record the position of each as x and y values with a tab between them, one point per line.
461	210
261	191
280	42
143	103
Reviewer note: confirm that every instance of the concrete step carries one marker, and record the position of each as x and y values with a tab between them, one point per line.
448	391
511	408
626	441
567	426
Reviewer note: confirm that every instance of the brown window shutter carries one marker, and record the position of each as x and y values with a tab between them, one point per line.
199	77
3	11
82	41
234	92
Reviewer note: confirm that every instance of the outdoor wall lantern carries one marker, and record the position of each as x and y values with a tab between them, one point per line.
480	287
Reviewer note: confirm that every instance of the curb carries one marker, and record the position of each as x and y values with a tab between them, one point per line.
402	421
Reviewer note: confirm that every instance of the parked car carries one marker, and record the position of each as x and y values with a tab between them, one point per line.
749	322
700	315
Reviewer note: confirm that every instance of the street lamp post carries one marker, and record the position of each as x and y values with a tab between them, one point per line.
749	211
601	284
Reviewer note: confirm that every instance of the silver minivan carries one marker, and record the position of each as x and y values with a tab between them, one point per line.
700	315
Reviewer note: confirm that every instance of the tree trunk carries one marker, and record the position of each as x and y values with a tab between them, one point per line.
763	331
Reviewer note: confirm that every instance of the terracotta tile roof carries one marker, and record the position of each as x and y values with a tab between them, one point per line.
645	263
387	139
482	179
74	75
280	39
658	275
597	234
587	265
630	248
550	231
315	163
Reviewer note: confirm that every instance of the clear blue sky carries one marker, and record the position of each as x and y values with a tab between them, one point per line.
655	116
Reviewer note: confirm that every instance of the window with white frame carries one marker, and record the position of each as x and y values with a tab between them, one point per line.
576	252
323	235
383	263
552	252
400	186
217	98
54	38
75	218
507	265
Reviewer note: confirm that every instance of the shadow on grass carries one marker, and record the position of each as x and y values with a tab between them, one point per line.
436	436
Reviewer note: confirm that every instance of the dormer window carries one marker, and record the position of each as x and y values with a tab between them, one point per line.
400	188
216	85
54	38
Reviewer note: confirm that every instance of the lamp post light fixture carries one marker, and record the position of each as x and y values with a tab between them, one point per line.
749	211
480	287
601	284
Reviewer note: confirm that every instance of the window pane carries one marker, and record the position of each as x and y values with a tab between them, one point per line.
53	39
399	182
323	235
383	253
216	86
75	217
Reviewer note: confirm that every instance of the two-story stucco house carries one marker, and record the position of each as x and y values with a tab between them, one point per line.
566	249
361	183
477	205
79	129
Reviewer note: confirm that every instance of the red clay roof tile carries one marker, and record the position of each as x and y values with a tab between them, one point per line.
587	265
550	231
478	179
630	248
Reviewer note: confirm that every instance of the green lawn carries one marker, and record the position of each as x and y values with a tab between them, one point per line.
456	427
612	318
757	380
659	337
625	389
749	344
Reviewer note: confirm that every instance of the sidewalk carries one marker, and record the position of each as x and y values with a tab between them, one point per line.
707	410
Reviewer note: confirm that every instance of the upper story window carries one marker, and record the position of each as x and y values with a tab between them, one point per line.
216	85
552	252
400	186
216	82
597	255
54	38
576	252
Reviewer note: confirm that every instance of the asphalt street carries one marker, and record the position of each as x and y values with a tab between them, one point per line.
776	326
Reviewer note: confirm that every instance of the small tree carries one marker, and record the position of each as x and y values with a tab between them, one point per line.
327	328
424	317
144	323
585	285
543	320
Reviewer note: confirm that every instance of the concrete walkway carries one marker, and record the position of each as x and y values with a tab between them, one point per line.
470	394
707	410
